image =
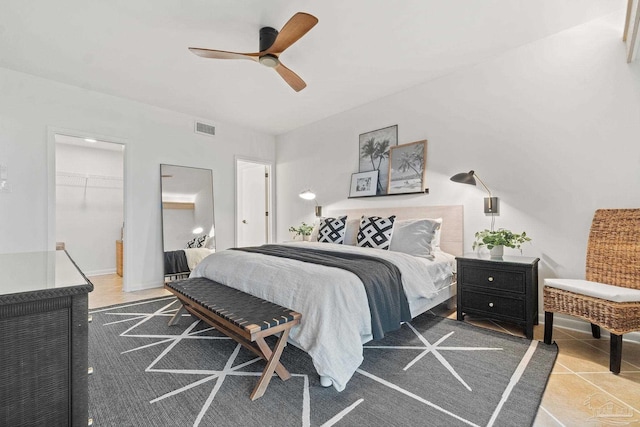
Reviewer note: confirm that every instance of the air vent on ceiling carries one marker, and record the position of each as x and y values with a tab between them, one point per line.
205	129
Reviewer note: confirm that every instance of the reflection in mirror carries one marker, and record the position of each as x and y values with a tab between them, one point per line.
188	233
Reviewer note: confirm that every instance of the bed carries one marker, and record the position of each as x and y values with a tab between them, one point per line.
179	264
336	320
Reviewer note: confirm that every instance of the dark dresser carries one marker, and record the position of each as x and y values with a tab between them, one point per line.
43	340
503	288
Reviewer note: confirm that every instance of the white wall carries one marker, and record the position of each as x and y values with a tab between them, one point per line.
30	106
89	217
553	128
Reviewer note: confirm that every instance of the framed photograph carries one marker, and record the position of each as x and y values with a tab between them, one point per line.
374	153
364	184
407	168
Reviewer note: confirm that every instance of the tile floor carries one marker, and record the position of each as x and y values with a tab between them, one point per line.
581	390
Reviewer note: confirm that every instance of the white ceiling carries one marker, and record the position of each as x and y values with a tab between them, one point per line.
88	143
361	50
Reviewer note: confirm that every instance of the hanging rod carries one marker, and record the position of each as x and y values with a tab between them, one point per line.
73	179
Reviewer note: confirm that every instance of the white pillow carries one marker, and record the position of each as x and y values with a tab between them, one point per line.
351	235
210	243
314	232
436	239
415	237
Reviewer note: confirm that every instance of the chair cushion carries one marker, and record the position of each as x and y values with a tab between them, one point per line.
595	289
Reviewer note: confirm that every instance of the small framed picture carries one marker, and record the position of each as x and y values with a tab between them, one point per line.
407	168
364	184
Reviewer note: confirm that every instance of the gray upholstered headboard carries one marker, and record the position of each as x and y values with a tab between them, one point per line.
452	237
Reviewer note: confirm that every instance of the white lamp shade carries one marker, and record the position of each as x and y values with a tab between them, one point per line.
307	195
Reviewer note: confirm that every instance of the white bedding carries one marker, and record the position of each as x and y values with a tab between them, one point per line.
335	314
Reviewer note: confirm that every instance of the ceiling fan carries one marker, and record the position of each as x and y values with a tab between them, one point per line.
272	44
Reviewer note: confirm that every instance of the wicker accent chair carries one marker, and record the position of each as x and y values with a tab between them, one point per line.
610	295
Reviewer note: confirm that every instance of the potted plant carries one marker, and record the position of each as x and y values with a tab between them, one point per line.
304	230
496	240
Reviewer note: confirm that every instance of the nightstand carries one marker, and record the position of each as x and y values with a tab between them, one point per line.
503	288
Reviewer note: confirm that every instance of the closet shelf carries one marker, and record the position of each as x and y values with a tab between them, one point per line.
72	179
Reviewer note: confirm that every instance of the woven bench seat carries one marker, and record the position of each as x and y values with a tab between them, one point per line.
241	316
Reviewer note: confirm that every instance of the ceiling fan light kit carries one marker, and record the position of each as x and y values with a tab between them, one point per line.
269	60
272	44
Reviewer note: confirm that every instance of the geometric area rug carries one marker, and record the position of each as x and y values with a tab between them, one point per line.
431	372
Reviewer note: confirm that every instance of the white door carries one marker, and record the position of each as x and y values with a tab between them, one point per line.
252	212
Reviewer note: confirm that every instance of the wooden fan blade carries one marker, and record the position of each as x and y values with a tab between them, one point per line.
221	54
290	77
293	30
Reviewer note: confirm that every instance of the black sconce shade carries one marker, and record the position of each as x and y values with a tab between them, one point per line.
490	203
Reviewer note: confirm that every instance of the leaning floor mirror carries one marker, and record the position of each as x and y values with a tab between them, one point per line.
188	232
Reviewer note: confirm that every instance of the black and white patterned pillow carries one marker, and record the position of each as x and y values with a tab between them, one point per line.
375	232
332	230
197	242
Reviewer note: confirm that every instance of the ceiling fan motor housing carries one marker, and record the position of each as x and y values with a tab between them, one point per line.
267	37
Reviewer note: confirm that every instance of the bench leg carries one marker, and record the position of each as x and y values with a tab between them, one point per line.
176	317
548	326
273	363
266	355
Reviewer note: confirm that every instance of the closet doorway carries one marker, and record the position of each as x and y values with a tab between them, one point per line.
89	210
253	202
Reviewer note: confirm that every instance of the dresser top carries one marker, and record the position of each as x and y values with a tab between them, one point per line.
30	272
512	259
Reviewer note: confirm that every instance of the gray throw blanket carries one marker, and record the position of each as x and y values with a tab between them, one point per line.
175	262
382	281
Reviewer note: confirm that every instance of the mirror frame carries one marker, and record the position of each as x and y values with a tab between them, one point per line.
166	169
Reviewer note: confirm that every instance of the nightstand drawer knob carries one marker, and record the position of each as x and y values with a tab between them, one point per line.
490	304
490	278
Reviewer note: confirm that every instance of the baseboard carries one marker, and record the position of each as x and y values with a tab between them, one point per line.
144	286
100	272
574	324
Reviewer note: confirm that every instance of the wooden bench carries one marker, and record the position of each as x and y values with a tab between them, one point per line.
241	316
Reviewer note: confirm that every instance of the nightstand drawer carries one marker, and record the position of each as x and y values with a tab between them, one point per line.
513	281
493	305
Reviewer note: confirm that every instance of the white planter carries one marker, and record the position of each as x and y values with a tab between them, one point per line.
300	237
497	251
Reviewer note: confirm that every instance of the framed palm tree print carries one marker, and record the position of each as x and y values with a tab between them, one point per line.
374	153
407	168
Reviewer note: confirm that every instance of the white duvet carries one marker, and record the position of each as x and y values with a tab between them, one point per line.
335	313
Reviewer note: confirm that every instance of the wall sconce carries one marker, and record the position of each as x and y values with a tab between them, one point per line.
490	203
310	195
